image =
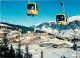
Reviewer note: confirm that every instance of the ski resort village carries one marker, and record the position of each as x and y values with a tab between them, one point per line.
21	41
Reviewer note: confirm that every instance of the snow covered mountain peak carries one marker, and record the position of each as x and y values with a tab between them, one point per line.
73	18
45	22
37	24
4	25
51	21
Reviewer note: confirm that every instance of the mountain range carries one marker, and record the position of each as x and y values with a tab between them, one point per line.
72	27
18	27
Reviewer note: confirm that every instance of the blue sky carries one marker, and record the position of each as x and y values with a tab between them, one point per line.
15	11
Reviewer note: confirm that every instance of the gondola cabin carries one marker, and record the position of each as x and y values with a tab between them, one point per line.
61	19
32	9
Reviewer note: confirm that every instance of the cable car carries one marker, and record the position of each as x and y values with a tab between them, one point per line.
32	9
61	19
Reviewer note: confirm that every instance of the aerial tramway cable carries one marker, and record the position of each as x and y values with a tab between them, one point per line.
45	10
62	4
58	6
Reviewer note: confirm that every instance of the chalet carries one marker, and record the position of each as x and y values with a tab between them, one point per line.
37	34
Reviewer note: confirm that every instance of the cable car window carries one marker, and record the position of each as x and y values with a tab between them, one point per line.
36	7
60	17
31	7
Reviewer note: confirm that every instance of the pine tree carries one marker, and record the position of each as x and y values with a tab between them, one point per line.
19	51
11	52
5	48
63	56
1	55
27	55
41	54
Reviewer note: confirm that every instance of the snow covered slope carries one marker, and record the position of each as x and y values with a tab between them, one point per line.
4	25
